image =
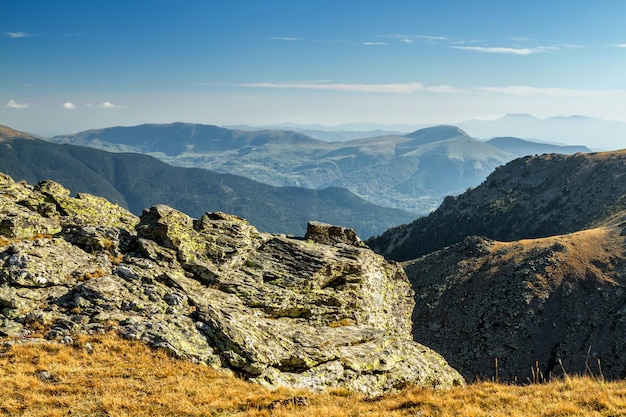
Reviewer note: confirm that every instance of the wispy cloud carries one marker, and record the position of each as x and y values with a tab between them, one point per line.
366	88
412	38
69	106
402	38
15	35
285	38
505	50
12	104
621	45
445	89
430	38
375	43
394	88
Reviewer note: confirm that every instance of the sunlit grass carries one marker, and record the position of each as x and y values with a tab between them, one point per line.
123	378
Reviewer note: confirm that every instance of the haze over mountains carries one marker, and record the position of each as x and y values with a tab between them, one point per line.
414	171
575	130
595	133
138	181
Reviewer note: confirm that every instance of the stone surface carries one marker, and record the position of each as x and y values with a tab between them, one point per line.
276	309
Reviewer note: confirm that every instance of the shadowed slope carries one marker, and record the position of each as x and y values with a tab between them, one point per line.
530	197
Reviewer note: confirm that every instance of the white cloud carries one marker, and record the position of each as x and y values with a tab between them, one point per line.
621	45
12	104
503	50
109	105
69	106
14	35
375	43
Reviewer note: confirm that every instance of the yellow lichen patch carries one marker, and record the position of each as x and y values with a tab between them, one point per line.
4	241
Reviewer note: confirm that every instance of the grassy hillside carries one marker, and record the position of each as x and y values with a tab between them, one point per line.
106	376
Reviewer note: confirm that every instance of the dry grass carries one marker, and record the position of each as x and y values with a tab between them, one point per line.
122	378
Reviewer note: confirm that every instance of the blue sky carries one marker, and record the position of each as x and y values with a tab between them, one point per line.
74	65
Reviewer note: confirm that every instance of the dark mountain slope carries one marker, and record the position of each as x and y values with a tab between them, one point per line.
139	181
530	197
551	305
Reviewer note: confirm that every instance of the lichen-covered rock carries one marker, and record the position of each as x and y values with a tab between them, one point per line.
329	234
41	262
280	310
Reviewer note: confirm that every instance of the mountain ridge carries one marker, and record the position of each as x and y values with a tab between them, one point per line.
137	181
386	170
530	197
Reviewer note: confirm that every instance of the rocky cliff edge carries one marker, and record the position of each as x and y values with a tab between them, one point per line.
318	312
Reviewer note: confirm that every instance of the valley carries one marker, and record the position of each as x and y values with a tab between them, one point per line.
413	171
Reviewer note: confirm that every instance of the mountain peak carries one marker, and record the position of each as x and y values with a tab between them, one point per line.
519	116
436	134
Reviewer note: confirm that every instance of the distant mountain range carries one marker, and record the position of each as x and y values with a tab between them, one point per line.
520	147
138	181
596	133
331	133
414	171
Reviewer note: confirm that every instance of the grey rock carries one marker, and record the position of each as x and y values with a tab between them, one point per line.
329	234
318	312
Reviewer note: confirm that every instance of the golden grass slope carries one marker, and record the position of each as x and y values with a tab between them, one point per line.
7	133
124	378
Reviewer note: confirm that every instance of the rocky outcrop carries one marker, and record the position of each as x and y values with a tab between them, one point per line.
539	307
276	309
